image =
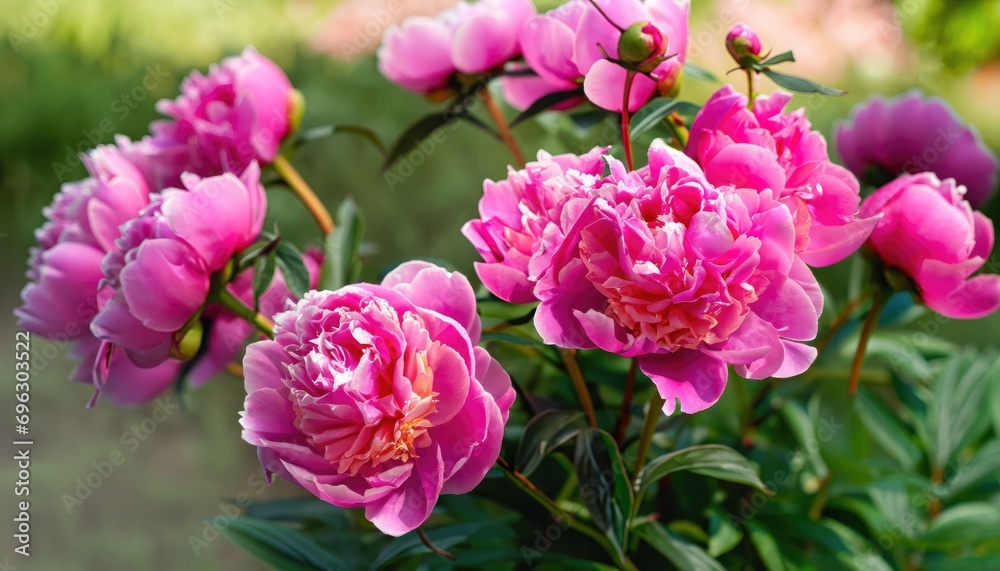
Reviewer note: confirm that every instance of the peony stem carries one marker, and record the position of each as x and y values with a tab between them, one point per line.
878	304
505	133
841	320
626	410
304	193
259	321
656	403
432	546
576	374
751	90
627	120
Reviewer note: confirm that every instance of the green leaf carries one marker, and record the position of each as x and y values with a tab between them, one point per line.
294	270
766	546
263	274
544	434
343	262
298	510
889	432
682	553
563	564
800	84
712	460
963	525
317	133
725	535
780	58
416	133
280	546
954	413
410	544
545	103
850	549
657	110
802	426
604	485
984	466
700	73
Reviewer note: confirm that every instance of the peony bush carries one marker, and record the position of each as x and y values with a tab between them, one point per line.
585	386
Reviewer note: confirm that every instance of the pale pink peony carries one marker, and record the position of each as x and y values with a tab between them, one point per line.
770	149
930	232
239	113
687	277
161	272
422	54
913	133
564	48
515	213
64	293
376	397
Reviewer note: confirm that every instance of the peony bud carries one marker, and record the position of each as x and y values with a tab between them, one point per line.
743	44
643	45
296	110
187	342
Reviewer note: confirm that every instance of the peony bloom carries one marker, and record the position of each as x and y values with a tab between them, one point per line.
563	47
516	212
376	397
240	112
424	53
160	274
64	293
912	134
930	232
687	277
769	149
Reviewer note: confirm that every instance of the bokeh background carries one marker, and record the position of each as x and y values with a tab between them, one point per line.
73	72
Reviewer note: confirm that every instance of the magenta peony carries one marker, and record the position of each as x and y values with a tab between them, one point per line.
376	397
913	133
664	266
240	112
564	47
161	272
930	232
64	293
515	213
424	53
769	149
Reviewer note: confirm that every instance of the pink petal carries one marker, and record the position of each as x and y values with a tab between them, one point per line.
831	244
406	508
605	87
691	377
432	287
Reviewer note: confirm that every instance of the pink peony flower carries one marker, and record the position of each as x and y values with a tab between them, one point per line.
769	149
160	274
563	46
687	277
240	112
424	53
376	397
64	293
913	133
930	232
516	212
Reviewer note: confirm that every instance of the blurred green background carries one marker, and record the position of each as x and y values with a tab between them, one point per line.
69	67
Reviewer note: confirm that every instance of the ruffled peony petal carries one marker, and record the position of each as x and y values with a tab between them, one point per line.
410	506
432	287
694	379
163	285
829	245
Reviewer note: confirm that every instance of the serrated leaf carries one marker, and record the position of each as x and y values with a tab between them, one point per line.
887	430
682	553
343	263
543	434
416	133
410	544
800	84
700	73
293	268
963	525
263	274
604	485
804	430
545	103
281	546
657	110
780	58
712	460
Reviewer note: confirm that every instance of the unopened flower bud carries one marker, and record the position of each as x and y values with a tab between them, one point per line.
743	44
669	84
296	110
643	45
187	342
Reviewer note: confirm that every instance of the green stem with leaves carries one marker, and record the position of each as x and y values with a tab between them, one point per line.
656	403
264	325
751	88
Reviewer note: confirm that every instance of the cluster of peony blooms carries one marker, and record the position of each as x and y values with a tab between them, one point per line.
379	396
